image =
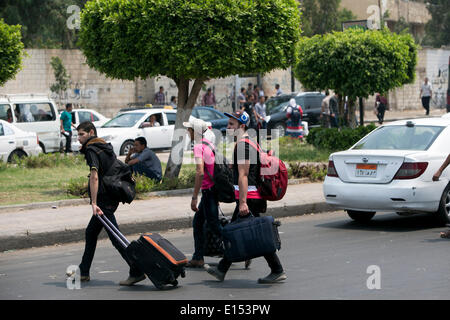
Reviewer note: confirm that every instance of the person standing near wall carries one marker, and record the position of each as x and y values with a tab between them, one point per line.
426	92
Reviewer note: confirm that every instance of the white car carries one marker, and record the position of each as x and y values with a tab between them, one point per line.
14	141
34	113
391	170
127	126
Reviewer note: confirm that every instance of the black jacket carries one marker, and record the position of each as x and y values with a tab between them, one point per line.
99	156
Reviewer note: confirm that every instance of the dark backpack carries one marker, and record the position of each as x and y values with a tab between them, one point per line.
223	178
117	182
296	116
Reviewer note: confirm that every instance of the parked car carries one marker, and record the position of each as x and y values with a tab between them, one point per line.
218	120
16	142
35	113
391	169
311	103
127	126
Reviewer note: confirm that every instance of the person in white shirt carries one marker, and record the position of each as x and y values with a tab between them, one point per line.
426	92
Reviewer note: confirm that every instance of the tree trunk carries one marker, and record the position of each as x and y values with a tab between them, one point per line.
351	113
186	102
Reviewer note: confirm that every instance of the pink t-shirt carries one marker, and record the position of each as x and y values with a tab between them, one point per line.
205	153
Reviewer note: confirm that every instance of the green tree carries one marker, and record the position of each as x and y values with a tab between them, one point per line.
437	30
323	16
61	77
356	63
189	42
44	21
11	51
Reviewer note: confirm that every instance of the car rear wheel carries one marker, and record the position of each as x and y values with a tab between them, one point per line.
360	216
443	213
127	145
16	153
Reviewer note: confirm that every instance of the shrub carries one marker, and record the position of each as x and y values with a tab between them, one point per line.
313	171
78	187
49	160
337	139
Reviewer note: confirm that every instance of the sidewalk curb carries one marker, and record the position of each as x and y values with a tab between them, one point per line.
67	236
76	202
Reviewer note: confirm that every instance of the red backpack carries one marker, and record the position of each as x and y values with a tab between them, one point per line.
273	174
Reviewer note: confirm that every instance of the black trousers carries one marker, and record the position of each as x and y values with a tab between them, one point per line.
92	231
256	207
426	104
208	210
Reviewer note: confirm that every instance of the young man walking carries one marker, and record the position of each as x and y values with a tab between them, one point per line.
99	157
248	200
426	92
208	209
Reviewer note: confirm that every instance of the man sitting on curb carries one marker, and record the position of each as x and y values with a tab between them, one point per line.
143	160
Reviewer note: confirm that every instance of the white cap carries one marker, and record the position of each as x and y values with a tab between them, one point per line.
197	124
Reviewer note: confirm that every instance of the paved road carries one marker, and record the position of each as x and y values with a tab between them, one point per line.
326	256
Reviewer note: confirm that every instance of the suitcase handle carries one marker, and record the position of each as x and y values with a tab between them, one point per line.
240	219
114	231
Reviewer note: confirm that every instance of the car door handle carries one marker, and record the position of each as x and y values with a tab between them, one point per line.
11	142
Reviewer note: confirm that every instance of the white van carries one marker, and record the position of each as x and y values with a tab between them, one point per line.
35	113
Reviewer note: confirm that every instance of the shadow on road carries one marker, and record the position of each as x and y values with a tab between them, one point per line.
388	223
92	284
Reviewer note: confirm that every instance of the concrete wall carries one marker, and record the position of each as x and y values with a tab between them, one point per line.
87	87
91	89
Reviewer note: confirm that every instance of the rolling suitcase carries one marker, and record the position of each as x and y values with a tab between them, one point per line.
156	256
252	237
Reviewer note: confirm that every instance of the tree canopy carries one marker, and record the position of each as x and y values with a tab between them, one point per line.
357	63
44	22
438	28
323	16
193	39
11	51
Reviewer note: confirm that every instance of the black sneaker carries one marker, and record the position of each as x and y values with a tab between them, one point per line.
247	264
214	271
273	278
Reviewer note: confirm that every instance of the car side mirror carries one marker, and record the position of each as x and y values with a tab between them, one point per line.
145	125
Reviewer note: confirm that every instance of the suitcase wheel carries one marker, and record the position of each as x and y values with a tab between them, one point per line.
183	274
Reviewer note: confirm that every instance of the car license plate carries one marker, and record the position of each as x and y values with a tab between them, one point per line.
366	170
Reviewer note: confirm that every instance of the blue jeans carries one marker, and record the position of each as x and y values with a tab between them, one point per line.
208	210
141	169
92	231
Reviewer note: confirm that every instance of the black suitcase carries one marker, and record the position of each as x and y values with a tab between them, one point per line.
156	256
252	237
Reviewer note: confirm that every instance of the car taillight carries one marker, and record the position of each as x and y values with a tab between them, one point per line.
411	170
37	139
331	172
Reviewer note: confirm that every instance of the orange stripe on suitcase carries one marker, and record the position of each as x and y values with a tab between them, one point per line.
164	252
